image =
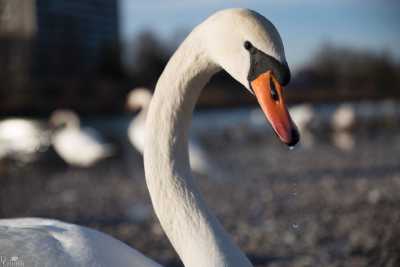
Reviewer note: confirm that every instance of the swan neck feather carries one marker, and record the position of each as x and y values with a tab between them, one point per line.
193	230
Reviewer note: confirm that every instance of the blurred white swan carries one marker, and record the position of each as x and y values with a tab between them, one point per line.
226	40
139	99
304	116
77	146
344	117
343	121
22	139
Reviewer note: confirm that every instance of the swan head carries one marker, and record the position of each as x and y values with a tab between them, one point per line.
250	49
64	118
138	98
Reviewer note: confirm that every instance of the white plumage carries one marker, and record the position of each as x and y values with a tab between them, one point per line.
78	146
139	99
193	230
304	116
344	117
22	139
51	243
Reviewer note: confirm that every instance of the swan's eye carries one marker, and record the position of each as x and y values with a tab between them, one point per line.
274	93
248	45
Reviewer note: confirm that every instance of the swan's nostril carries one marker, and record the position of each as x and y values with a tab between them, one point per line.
274	93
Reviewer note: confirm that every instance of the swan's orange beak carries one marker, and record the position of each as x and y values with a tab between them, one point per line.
269	94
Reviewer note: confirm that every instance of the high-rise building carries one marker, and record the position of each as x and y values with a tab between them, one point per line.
17	29
17	18
72	34
46	45
68	36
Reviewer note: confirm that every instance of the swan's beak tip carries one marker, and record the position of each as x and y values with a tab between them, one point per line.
295	138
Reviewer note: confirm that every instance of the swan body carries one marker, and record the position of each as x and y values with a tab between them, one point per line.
77	146
22	139
139	99
43	242
233	40
349	116
344	117
304	116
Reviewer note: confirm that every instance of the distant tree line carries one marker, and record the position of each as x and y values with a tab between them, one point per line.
333	73
342	71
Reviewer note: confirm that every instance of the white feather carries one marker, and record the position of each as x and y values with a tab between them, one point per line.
139	99
77	146
193	230
22	139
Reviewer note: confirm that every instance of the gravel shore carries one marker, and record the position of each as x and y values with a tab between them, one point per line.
314	206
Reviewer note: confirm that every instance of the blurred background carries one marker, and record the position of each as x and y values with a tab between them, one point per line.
332	201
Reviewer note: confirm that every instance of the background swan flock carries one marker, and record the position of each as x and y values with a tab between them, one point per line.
239	41
193	230
139	99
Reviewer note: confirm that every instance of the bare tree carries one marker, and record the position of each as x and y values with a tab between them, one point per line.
150	57
351	70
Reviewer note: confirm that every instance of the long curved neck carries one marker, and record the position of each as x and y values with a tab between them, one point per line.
193	230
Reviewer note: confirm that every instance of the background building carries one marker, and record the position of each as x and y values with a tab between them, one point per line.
74	33
17	30
51	49
17	18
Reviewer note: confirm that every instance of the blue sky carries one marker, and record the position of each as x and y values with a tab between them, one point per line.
303	24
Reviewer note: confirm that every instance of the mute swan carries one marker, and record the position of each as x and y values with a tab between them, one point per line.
304	116
22	139
246	45
139	99
343	120
78	146
344	117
